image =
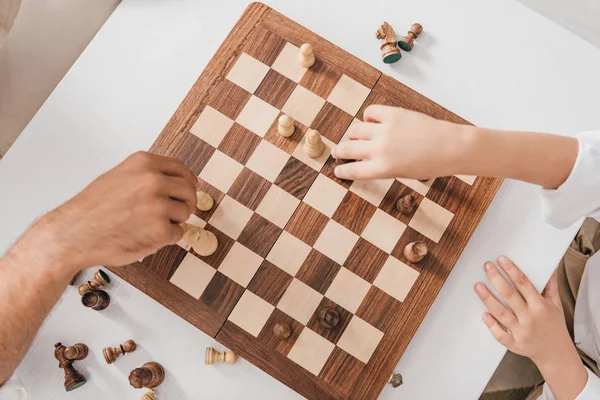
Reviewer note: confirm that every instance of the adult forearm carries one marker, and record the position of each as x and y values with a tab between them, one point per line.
34	275
541	159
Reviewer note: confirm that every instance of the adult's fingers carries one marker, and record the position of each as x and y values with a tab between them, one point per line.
173	167
378	113
510	296
502	336
362	130
178	212
181	189
519	279
353	150
497	309
357	170
175	233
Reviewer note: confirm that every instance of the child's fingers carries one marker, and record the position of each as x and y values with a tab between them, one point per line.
378	113
510	296
502	336
357	170
362	130
497	309
352	150
519	279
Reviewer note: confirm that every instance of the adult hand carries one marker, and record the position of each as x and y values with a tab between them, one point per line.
398	143
129	212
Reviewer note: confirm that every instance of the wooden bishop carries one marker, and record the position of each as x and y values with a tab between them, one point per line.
313	144
65	357
203	242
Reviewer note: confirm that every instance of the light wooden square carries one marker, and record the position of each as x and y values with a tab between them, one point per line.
240	264
431	220
469	179
288	253
348	289
325	195
373	190
278	206
268	160
360	339
221	171
314	163
248	72
300	301
257	116
348	95
336	242
396	278
303	105
417	186
288	64
251	313
383	231
212	126
195	221
193	275
231	217
311	351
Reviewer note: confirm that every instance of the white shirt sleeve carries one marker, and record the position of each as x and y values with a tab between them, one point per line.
12	390
591	391
579	195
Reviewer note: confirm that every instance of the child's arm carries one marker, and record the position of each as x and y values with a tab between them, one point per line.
394	142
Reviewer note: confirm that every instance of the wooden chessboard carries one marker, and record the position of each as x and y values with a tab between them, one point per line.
292	237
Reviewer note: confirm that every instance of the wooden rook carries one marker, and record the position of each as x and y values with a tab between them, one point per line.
395	380
99	280
389	52
313	144
285	126
205	202
112	353
415	251
203	242
282	331
306	56
96	300
407	42
328	317
65	357
212	356
406	204
149	376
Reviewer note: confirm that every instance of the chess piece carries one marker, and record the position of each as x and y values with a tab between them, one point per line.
389	52
149	376
406	204
96	300
285	126
74	279
73	379
415	251
203	242
328	317
395	380
111	353
205	202
306	56
99	280
149	395
212	356
313	144
407	42
282	331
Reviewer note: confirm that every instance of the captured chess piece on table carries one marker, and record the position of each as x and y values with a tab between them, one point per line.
149	376
100	279
407	42
96	300
65	357
395	380
112	353
389	50
213	356
203	242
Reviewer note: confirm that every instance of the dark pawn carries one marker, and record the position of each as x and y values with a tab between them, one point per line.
328	318
149	375
96	300
73	379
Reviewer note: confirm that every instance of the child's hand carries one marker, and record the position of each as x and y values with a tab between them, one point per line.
397	143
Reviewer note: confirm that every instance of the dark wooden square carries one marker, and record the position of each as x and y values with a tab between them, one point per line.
366	260
331	334
268	338
410	235
329	171
287	144
217	196
249	188
374	98
318	271
229	99
225	244
264	45
450	193
396	192
306	224
259	235
193	151
377	307
239	143
354	212
270	282
321	78
342	371
275	89
165	261
332	122
296	178
221	294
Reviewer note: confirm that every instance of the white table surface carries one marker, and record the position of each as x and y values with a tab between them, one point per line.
495	63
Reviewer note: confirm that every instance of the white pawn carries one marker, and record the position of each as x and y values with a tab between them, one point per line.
203	242
204	201
313	144
306	56
286	126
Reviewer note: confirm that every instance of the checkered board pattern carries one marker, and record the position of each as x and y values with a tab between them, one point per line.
293	238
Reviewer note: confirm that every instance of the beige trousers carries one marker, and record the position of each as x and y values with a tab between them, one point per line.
8	13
